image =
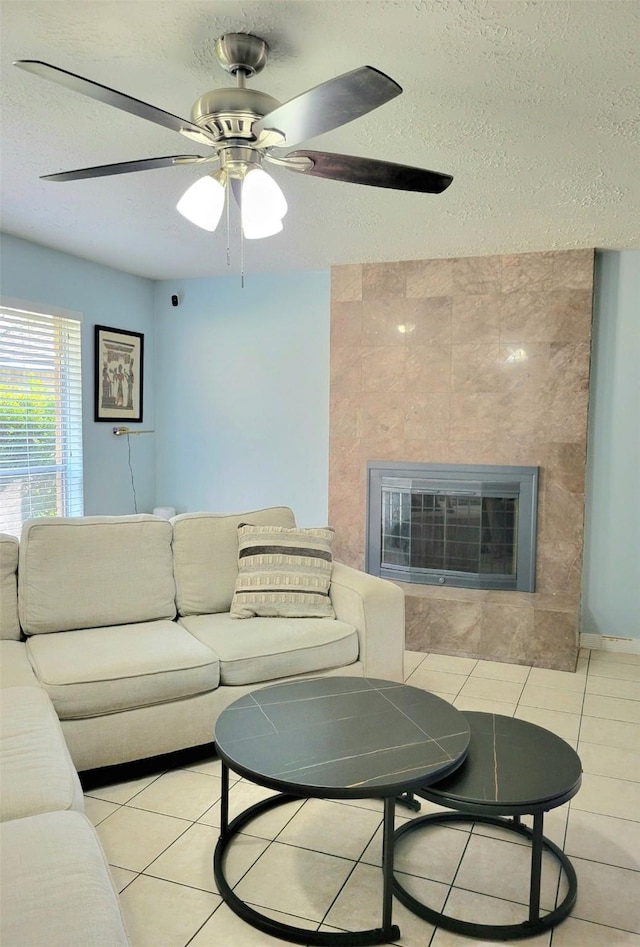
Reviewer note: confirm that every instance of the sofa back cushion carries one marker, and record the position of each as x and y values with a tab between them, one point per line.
9	624
205	556
88	571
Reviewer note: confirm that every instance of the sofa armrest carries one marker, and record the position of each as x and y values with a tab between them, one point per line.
375	607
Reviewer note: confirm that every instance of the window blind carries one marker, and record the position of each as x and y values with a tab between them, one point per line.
40	417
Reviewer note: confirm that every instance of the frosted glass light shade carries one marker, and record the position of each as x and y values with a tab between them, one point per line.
203	202
263	205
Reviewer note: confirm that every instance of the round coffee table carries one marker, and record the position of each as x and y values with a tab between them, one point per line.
513	768
334	738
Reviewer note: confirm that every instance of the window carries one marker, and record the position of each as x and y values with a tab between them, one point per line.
40	416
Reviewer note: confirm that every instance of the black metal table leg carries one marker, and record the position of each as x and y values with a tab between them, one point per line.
300	935
533	925
536	868
224	801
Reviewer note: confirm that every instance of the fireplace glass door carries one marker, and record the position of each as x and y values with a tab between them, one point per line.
463	532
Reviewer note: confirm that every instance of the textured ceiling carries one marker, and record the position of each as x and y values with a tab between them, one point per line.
532	106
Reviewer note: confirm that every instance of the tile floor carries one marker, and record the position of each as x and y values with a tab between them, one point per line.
316	863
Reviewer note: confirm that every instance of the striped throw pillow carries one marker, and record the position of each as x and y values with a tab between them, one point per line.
283	572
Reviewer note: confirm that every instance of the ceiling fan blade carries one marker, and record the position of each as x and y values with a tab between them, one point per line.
355	170
330	105
122	167
119	100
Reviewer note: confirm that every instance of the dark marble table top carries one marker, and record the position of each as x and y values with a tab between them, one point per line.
511	765
342	737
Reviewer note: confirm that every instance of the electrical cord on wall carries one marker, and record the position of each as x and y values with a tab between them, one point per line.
133	485
119	431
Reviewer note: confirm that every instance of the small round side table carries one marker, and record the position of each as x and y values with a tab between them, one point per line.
513	768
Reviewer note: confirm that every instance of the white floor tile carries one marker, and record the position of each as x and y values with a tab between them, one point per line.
295	880
551	698
97	810
327	826
161	914
603	838
621	762
226	929
123	792
562	724
619	798
575	933
431	679
133	838
612	708
412	659
450	662
503	870
359	905
491	689
181	793
562	680
122	877
471	906
610	732
189	860
498	671
616	657
607	895
615	669
432	852
613	687
245	794
483	705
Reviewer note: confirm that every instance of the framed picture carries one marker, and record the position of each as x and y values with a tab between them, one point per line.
119	367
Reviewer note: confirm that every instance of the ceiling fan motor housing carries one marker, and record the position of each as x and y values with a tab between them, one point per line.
230	113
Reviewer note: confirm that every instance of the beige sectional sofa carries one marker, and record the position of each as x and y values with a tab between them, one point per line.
116	644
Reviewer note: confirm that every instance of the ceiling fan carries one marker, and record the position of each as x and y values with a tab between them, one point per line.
243	126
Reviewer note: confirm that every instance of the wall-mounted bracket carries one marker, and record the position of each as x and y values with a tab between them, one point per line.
119	431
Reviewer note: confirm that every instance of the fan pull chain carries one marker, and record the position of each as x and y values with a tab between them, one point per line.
241	258
227	200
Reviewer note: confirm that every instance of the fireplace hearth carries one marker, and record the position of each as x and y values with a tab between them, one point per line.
457	525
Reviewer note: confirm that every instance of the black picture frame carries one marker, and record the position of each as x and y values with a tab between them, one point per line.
118	374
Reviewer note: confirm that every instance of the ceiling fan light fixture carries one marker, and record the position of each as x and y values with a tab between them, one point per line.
263	205
202	203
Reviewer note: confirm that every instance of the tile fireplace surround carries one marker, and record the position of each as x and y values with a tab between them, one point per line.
481	360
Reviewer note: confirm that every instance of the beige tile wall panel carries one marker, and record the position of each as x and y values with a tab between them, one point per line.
96	671
478	360
37	772
9	624
15	667
56	886
261	649
90	571
205	556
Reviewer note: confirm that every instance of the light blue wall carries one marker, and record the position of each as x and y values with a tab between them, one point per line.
243	394
611	586
105	297
237	387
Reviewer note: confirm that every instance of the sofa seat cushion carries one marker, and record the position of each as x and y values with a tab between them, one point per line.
95	671
266	648
56	886
37	772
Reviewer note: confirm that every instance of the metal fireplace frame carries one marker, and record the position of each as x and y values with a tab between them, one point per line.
455	480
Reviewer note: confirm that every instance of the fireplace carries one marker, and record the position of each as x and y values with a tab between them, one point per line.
456	525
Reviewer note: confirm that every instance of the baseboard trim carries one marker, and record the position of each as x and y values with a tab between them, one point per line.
609	643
